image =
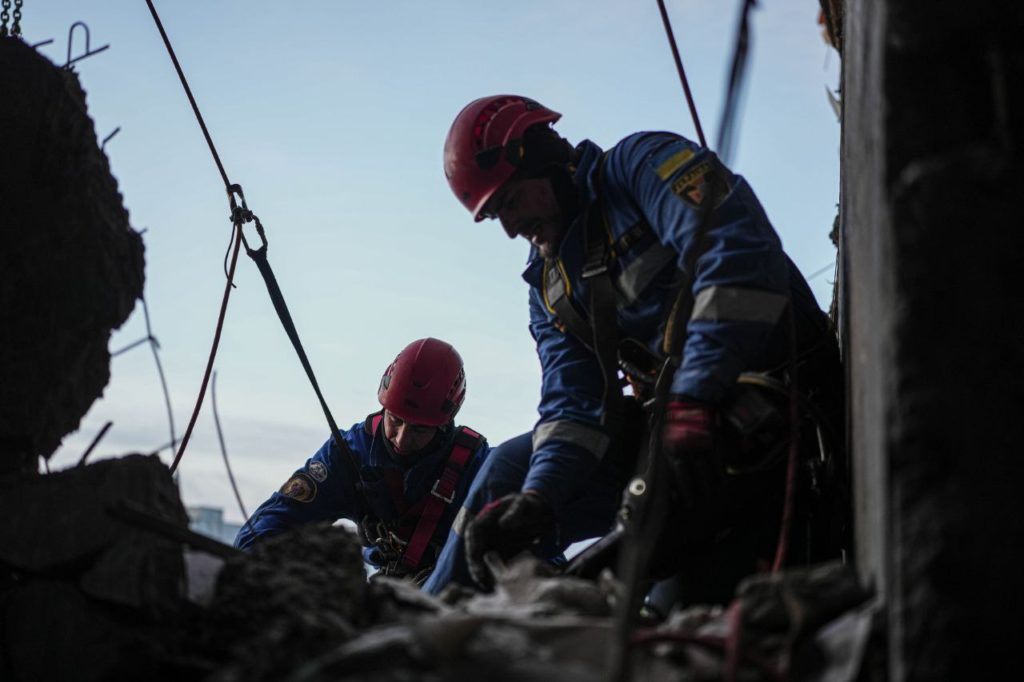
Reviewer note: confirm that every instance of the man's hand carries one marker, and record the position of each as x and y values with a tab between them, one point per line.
507	526
688	439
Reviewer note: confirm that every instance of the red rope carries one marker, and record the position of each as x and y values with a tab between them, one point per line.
794	451
710	642
734	623
682	72
213	350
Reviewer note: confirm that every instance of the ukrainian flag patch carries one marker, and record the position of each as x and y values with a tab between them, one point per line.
673	163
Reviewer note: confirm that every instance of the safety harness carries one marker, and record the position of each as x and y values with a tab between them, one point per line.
429	509
598	331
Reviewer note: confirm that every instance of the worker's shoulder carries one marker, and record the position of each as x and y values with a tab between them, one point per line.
660	151
647	142
470	437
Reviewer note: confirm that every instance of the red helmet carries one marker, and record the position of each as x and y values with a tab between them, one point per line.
426	383
484	146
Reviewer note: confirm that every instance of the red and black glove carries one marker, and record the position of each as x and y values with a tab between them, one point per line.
689	438
506	526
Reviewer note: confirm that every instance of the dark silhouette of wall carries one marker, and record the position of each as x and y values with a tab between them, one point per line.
933	311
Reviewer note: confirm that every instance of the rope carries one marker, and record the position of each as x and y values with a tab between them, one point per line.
191	99
213	349
237	226
632	556
733	640
794	447
682	72
239	216
737	72
719	643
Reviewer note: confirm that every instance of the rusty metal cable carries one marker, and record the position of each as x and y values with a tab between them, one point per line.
94	443
682	72
224	449
154	346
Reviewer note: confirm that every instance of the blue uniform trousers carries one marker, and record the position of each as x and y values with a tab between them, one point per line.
588	513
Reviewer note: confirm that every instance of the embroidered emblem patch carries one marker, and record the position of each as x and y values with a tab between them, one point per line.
300	488
697	184
318	471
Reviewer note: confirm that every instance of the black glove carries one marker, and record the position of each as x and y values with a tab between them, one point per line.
506	526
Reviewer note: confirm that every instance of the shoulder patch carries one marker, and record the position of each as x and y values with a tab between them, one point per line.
673	163
318	471
697	184
300	488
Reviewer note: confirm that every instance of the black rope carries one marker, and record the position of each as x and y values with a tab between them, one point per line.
188	91
737	72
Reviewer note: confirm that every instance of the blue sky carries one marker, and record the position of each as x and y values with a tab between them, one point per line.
332	116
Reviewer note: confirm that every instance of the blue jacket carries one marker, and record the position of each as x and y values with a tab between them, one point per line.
323	490
742	284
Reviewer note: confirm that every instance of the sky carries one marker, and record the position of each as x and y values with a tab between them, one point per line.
332	117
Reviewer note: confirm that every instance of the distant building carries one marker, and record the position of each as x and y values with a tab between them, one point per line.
210	521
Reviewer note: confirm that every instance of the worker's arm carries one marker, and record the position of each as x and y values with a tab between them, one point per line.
322	490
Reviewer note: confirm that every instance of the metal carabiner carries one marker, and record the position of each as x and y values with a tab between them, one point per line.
242	214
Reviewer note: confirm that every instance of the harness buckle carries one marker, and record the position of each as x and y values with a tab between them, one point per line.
435	493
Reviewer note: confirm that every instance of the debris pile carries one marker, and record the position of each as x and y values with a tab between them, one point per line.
298	609
294	596
72	267
82	595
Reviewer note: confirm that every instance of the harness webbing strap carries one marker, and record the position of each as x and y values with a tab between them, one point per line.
441	495
259	256
603	314
630	237
557	297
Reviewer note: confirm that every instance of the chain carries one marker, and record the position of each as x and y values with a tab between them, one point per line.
16	26
5	16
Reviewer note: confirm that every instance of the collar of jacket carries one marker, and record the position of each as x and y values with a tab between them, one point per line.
587	156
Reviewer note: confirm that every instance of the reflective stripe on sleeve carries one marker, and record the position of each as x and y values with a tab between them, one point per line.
589	438
461	521
738	305
635	277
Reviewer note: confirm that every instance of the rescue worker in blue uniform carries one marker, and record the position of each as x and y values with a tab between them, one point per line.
406	472
651	256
